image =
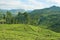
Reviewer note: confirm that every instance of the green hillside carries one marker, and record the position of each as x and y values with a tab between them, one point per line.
26	32
49	17
40	24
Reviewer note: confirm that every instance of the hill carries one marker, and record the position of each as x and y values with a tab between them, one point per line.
26	32
13	11
49	17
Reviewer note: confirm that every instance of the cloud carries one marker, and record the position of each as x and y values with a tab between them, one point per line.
27	4
57	2
54	2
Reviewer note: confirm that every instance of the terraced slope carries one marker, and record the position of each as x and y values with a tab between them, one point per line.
26	32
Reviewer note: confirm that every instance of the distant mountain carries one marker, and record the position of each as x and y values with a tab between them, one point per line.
46	10
17	10
3	11
49	17
29	11
13	11
54	8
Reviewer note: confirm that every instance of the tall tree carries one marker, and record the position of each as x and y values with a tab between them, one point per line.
8	17
19	18
27	17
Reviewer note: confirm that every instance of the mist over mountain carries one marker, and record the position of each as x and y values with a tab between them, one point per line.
13	11
53	8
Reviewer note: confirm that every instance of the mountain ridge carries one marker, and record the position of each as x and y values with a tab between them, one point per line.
49	17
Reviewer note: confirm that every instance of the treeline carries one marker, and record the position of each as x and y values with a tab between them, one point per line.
19	18
10	18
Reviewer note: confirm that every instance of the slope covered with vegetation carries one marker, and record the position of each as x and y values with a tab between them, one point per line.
26	32
49	17
40	24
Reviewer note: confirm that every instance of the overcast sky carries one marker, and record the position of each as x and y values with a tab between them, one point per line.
27	4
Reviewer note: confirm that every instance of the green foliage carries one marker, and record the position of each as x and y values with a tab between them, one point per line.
49	17
26	32
27	17
8	17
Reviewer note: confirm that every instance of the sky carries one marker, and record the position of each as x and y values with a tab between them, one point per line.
28	4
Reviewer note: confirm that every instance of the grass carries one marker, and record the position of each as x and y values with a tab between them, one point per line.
26	32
